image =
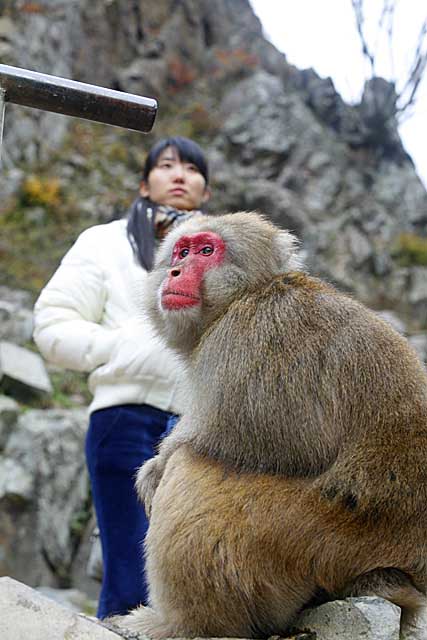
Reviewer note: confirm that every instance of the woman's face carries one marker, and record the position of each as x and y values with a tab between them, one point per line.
175	183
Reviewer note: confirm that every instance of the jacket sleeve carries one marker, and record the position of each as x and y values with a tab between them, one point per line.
70	307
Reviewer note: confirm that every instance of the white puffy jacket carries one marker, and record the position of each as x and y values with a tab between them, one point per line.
90	317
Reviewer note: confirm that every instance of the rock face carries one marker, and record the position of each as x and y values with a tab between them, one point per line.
278	139
44	496
349	214
46	516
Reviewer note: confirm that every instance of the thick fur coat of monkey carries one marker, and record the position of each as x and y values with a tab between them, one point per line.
299	471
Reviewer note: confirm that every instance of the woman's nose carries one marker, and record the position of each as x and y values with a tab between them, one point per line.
179	173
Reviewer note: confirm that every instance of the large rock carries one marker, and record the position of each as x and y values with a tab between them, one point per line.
353	619
16	485
22	371
72	599
44	497
350	217
26	614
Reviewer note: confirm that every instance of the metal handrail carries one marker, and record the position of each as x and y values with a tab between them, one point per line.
78	99
72	98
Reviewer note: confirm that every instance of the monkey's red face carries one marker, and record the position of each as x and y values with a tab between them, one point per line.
192	257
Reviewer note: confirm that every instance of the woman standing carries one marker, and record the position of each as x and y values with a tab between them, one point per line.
89	317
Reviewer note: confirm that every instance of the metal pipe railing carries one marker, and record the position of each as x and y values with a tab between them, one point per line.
78	99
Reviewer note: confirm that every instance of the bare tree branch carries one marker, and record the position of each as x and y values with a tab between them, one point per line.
360	19
416	72
388	13
407	93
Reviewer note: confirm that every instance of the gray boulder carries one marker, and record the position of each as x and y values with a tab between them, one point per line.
44	497
73	599
22	371
25	614
353	619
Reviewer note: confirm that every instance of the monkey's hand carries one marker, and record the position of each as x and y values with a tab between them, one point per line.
147	481
149	475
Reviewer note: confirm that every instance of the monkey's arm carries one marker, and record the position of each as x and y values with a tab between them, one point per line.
147	481
150	473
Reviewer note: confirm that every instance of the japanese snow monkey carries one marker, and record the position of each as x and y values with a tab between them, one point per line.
299	472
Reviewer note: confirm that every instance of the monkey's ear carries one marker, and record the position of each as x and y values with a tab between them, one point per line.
287	247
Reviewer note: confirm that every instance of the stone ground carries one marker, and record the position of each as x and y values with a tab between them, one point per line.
26	613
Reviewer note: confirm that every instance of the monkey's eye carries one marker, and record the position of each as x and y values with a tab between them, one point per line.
184	252
206	251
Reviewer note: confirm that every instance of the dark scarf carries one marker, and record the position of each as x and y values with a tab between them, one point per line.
148	223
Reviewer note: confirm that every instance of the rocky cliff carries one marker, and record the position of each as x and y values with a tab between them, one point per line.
279	140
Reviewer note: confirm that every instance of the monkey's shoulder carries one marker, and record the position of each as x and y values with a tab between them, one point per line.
300	304
301	279
295	282
298	293
303	293
310	287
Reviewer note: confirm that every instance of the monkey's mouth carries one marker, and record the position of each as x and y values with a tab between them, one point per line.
172	299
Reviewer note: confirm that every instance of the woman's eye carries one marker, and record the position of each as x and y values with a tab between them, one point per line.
183	253
207	251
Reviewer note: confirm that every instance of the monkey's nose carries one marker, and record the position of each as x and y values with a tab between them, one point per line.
175	273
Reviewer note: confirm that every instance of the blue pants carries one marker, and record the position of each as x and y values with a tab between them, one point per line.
119	440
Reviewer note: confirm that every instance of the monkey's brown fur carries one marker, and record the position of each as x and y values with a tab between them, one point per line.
300	467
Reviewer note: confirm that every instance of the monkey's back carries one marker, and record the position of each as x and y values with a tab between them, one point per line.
306	372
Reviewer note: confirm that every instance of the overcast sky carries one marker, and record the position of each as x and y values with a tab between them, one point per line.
322	34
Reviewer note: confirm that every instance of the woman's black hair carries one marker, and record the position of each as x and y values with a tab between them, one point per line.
187	150
140	226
